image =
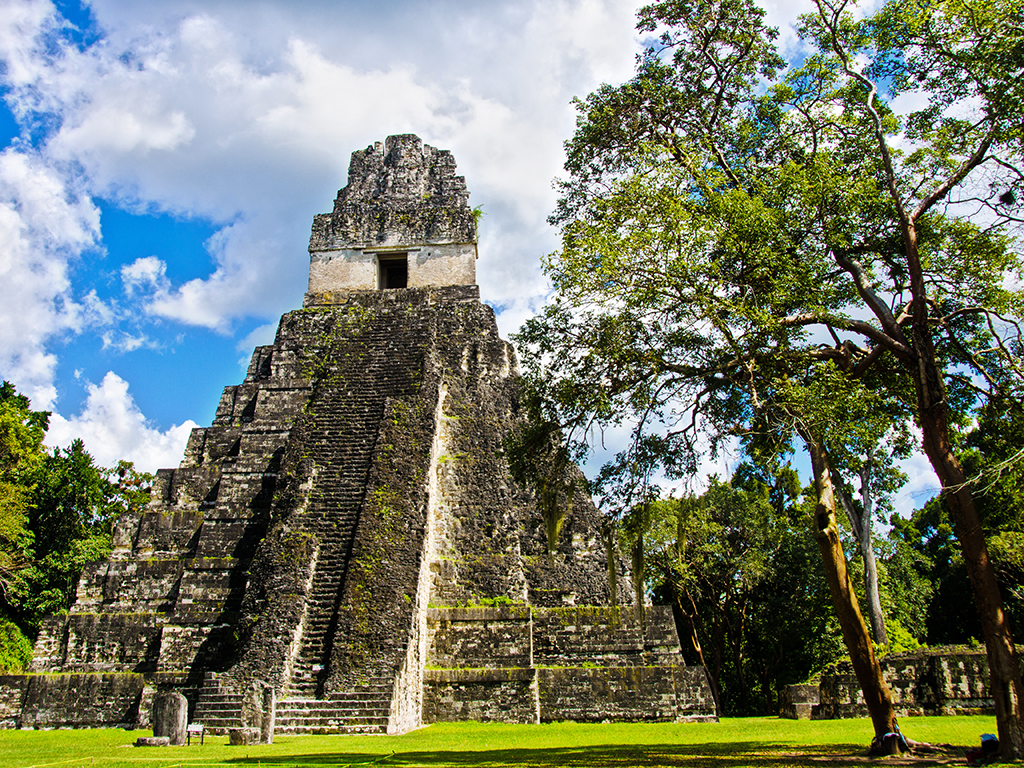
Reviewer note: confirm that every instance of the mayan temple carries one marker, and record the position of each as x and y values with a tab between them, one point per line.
344	549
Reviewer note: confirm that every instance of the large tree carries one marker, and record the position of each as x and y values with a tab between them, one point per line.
57	512
737	235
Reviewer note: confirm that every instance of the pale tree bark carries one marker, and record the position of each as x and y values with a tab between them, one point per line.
876	692
860	522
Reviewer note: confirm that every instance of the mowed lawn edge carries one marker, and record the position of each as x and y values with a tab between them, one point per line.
733	742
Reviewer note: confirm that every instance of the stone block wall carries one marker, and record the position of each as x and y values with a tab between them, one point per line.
651	693
74	701
12	696
604	636
505	695
926	682
356	478
402	201
517	663
483	636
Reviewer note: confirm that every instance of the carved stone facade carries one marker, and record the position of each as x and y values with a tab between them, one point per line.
344	548
403	221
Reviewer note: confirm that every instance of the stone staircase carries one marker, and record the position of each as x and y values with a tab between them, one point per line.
364	709
218	709
344	438
342	441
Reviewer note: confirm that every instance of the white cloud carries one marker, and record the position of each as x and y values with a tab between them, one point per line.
146	273
113	428
258	337
245	115
43	226
248	119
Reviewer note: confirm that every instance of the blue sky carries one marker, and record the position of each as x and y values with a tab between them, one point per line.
161	163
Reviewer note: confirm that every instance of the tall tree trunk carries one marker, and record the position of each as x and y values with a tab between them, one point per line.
860	522
867	551
1004	667
690	614
639	567
871	591
855	632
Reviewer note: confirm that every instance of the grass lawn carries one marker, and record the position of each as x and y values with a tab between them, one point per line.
766	742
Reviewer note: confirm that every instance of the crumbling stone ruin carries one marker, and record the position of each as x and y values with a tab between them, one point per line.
344	548
939	681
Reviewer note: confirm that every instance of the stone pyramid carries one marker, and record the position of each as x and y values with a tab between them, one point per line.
344	548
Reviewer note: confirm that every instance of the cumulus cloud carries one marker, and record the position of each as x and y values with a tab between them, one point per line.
112	428
203	119
43	226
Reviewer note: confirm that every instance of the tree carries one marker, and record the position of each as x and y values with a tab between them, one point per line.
725	244
74	505
57	512
987	453
714	557
21	454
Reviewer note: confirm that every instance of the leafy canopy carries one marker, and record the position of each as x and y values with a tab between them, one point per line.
753	250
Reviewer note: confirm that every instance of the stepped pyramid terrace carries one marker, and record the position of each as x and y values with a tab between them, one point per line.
345	549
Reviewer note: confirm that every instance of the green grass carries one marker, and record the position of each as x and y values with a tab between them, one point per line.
733	743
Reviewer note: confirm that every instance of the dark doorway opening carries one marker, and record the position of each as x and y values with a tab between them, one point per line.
394	271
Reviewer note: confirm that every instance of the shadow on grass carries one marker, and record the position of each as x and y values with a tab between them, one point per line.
732	755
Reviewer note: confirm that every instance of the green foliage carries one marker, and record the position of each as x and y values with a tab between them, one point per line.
15	648
774	254
789	258
21	454
907	592
743	575
57	512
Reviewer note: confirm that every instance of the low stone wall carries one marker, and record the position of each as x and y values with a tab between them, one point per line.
73	701
927	682
522	664
589	694
604	636
482	636
484	695
12	693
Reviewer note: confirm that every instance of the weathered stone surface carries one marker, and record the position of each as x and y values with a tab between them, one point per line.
152	741
519	663
403	206
81	700
483	695
243	737
170	717
797	702
12	695
927	682
624	693
344	548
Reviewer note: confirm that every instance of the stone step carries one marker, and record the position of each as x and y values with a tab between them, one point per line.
326	730
333	713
